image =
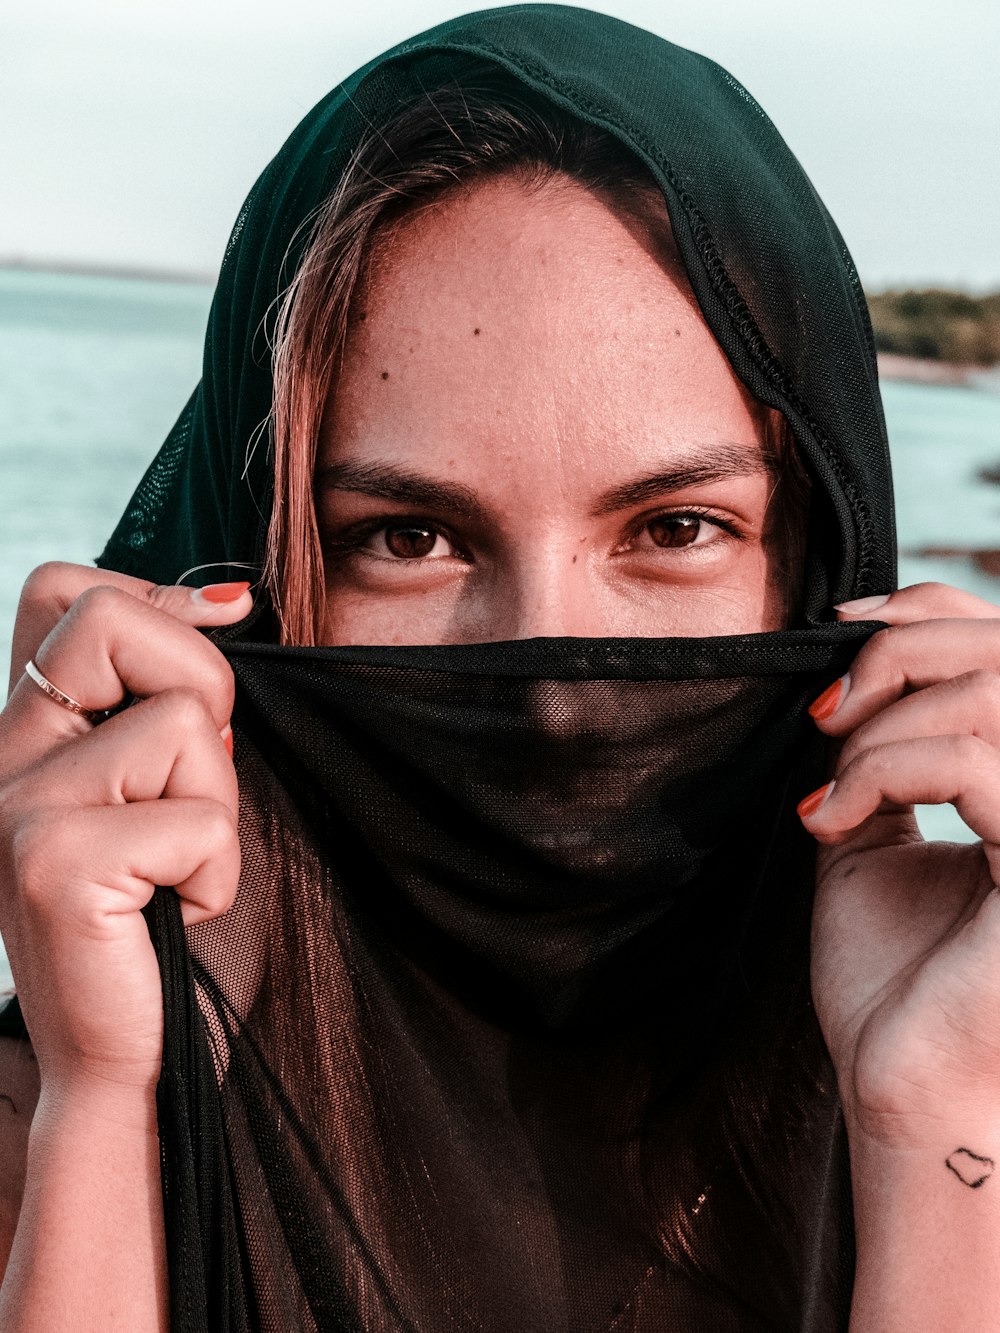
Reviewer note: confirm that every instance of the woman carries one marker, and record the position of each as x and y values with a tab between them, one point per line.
505	1023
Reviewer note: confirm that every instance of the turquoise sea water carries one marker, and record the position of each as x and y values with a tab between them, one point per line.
94	370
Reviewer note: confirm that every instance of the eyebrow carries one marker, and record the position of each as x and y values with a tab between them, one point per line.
384	481
711	463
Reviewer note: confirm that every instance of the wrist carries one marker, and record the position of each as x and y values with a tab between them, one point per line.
905	1134
927	1225
100	1103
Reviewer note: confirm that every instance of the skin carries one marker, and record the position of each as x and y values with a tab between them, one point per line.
477	360
906	941
575	384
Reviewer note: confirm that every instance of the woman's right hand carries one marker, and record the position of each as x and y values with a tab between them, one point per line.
93	818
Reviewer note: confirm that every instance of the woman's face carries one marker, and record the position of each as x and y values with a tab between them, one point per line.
535	433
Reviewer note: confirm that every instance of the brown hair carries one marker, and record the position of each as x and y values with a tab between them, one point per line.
449	139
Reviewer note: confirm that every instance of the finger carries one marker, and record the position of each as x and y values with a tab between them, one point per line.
919	601
53	588
89	867
166	746
901	659
965	705
107	646
190	845
963	771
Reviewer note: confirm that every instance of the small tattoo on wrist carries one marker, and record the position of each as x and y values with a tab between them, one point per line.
971	1169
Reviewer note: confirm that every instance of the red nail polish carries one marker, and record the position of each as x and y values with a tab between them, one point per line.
811	803
218	593
227	738
828	702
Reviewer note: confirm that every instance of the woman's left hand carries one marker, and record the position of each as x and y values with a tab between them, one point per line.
906	933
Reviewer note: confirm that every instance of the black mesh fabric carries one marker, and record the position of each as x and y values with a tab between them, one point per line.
509	1029
510	1022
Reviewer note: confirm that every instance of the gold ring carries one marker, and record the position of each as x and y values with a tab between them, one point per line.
54	693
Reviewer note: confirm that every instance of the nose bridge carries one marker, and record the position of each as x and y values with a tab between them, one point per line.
554	594
556	598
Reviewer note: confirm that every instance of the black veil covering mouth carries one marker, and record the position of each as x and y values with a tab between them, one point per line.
530	809
490	1047
509	1028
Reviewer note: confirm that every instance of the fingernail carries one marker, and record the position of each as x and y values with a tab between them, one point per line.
862	604
216	594
227	738
808	806
830	700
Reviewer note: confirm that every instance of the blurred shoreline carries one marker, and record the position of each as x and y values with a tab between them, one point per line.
955	332
922	370
128	272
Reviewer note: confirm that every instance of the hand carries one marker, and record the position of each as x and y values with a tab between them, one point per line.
92	818
906	933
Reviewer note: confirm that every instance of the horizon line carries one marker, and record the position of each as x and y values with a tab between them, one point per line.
97	269
195	277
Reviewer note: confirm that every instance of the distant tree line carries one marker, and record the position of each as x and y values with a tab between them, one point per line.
938	325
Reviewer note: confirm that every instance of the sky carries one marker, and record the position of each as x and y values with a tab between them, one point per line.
133	131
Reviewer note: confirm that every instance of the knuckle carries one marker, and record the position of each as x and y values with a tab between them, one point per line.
101	602
220	683
185	710
205	665
971	753
218	842
210	670
45	581
933	590
46	594
221	828
984	683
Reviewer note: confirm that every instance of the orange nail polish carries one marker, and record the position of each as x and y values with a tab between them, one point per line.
811	803
218	593
829	701
227	738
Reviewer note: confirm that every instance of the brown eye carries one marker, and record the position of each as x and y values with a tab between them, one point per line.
674	529
412	542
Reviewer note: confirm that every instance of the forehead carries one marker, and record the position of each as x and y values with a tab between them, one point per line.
507	317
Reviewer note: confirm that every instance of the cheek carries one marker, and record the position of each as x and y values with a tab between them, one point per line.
742	595
744	603
361	618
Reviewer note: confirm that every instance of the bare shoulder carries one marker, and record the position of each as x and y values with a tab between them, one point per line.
18	1098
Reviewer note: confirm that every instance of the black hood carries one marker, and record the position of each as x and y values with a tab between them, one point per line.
769	268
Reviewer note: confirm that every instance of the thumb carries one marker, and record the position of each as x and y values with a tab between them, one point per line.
211	604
